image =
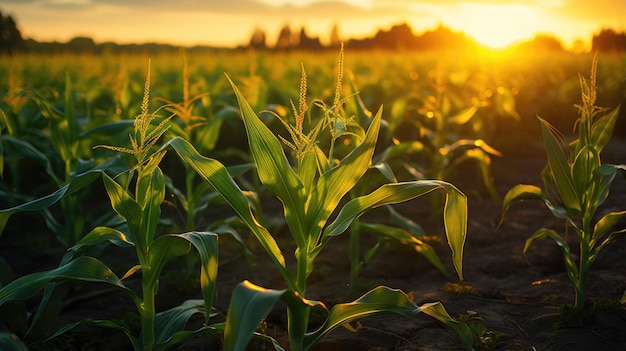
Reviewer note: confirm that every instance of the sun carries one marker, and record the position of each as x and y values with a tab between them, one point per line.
497	26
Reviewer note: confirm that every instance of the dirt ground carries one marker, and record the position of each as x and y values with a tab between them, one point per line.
518	297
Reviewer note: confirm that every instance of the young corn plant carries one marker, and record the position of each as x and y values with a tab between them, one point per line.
196	195
576	183
402	229
140	210
311	190
439	148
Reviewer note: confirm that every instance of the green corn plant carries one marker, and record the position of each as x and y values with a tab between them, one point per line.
140	210
438	149
311	191
401	230
576	183
196	195
71	137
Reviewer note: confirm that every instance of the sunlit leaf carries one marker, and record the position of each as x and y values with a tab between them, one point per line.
557	159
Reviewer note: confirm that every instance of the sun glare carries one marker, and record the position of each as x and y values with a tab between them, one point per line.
497	26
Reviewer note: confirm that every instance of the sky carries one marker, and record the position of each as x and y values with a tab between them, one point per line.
230	23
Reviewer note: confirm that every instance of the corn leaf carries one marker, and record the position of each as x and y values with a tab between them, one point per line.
273	168
75	184
127	207
106	130
150	194
406	238
26	149
455	211
335	183
525	192
83	268
249	305
169	322
379	300
206	245
602	227
602	130
557	159
117	325
463	116
216	174
97	236
161	250
586	161
545	233
437	311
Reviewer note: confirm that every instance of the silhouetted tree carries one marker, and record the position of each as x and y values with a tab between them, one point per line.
285	38
308	43
335	41
608	40
10	36
258	39
542	42
81	44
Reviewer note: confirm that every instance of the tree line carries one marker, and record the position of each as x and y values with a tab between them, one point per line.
399	37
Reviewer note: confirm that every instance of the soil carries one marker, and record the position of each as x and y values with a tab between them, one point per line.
517	296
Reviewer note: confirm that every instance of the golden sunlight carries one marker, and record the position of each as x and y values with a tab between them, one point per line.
497	26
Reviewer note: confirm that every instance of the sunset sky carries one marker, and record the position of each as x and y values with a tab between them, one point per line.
231	22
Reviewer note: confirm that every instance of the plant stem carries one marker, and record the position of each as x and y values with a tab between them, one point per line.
583	272
355	260
147	314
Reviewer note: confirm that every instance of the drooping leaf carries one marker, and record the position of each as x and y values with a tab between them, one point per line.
455	211
406	238
545	233
169	322
437	311
75	184
206	245
82	268
525	192
378	300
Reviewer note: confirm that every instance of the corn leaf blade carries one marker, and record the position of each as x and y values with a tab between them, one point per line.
249	305
559	165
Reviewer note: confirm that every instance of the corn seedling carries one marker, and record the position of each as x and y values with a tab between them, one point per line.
140	210
576	184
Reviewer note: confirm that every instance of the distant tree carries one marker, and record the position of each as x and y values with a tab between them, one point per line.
10	36
81	44
543	42
285	38
335	41
258	40
308	43
398	37
609	40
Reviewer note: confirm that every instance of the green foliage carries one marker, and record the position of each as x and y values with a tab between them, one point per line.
576	184
141	211
311	191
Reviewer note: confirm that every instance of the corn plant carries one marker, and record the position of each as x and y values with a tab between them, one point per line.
576	183
140	210
71	141
402	230
311	191
438	148
196	195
